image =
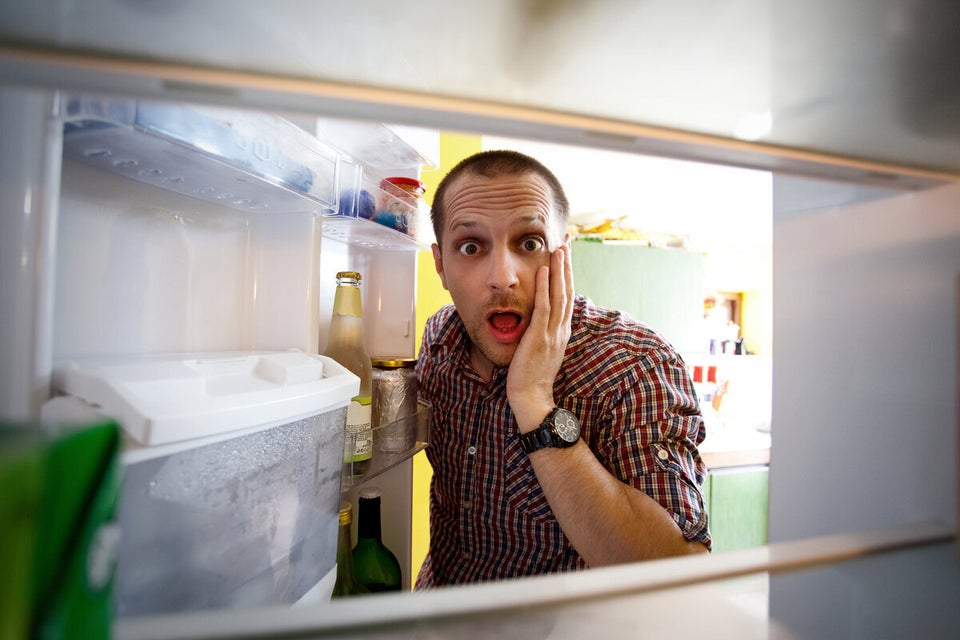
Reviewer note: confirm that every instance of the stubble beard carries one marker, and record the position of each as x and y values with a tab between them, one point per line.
484	343
478	337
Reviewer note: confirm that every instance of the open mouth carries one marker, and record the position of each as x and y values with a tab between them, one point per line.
504	322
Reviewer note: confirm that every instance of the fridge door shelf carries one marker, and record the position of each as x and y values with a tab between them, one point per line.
246	161
378	146
368	234
393	443
371	217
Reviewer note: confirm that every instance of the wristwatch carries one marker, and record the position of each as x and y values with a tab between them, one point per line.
559	429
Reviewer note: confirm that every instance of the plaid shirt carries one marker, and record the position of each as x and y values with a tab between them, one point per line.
639	414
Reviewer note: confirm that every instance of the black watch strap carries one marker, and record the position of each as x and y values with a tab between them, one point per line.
537	439
546	435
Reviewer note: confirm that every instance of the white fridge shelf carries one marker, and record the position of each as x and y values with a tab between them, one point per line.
366	233
243	160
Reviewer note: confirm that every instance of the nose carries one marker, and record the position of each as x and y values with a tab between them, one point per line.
503	271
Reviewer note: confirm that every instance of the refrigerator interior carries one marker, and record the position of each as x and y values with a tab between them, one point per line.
205	234
173	228
30	154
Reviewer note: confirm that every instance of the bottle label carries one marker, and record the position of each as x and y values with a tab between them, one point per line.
359	434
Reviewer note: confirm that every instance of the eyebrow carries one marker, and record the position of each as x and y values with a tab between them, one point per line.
533	219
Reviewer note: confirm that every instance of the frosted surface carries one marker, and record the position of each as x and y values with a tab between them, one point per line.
241	522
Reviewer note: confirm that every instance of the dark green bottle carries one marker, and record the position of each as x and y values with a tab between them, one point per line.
374	565
346	584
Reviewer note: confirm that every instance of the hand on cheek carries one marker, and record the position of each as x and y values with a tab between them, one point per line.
540	353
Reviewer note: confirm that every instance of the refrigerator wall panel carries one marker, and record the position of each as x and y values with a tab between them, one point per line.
29	202
145	270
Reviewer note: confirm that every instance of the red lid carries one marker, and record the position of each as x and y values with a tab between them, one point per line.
411	185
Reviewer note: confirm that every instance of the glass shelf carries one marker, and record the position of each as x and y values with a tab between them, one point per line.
414	430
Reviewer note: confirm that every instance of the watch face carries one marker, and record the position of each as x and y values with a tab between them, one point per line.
566	425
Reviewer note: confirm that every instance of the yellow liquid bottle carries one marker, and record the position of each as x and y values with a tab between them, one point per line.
346	346
346	584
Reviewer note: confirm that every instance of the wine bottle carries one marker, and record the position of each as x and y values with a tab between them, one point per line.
374	565
345	345
346	584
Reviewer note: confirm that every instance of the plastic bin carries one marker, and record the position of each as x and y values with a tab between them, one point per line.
232	469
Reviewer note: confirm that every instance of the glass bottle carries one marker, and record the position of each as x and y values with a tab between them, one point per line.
346	346
346	584
374	565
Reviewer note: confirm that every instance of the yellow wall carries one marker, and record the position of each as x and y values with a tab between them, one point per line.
431	296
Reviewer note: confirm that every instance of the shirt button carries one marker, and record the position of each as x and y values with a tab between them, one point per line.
472	450
662	454
467	504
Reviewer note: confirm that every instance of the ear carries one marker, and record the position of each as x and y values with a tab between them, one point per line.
438	264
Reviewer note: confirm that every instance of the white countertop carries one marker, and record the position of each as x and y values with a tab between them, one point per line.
727	446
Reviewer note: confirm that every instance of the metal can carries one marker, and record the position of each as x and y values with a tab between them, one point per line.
394	403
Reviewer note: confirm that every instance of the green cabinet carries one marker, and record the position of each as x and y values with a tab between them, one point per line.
663	288
737	502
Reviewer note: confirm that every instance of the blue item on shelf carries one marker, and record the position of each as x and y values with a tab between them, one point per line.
367	205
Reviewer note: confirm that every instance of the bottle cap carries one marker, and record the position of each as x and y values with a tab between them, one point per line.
409	185
391	362
349	275
346	513
370	493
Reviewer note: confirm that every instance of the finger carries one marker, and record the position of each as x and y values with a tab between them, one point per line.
541	307
568	273
559	287
556	270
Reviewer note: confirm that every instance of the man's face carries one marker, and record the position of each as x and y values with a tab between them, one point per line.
497	233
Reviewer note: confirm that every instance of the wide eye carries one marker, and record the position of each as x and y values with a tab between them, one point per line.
468	248
533	244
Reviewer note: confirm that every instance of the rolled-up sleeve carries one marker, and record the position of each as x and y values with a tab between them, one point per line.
653	436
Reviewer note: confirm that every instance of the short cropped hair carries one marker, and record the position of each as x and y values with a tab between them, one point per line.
494	164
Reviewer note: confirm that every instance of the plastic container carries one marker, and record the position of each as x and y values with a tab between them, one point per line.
408	189
231	474
399	204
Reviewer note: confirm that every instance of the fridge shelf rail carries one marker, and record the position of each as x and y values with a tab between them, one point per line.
248	161
368	234
415	429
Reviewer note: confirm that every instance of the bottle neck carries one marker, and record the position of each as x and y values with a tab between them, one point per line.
368	524
344	551
347	302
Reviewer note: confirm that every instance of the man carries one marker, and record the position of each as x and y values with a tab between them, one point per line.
519	488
